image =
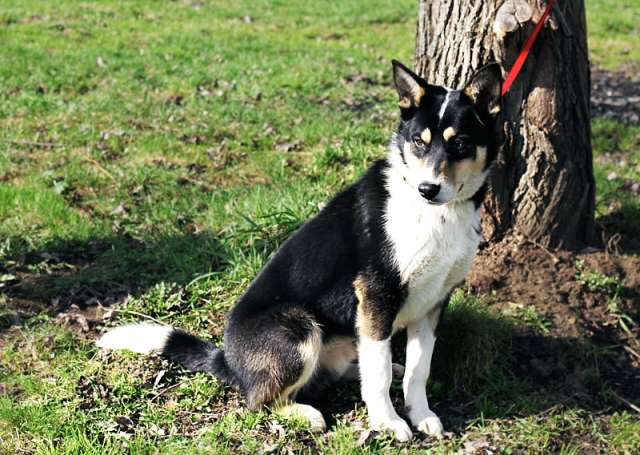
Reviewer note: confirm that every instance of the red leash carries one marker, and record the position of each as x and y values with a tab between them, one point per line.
524	53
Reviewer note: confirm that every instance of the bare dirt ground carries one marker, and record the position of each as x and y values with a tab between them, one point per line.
518	273
616	94
525	275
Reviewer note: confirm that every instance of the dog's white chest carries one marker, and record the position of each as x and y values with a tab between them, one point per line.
433	246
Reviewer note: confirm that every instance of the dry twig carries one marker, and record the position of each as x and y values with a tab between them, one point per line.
31	143
135	313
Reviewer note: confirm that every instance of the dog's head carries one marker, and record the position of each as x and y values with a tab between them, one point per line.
446	138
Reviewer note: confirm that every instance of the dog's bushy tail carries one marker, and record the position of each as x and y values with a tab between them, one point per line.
176	345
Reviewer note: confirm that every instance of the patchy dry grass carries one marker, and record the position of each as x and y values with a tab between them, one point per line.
154	154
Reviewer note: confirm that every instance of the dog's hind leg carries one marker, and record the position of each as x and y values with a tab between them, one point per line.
309	352
279	354
284	406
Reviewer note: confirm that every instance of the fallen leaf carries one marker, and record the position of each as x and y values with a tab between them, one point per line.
275	427
268	447
121	209
365	437
286	147
125	423
158	378
476	447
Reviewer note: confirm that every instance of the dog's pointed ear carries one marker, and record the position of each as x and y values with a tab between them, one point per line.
410	86
484	89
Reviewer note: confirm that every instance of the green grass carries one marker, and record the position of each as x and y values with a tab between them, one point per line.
614	31
616	150
155	154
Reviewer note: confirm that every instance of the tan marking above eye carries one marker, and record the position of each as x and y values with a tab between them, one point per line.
448	133
426	136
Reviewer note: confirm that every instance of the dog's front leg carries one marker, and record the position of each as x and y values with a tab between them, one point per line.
376	311
375	374
420	342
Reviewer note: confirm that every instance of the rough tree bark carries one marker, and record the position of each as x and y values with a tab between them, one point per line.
543	186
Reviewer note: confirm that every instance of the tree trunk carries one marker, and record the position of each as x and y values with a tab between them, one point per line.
542	187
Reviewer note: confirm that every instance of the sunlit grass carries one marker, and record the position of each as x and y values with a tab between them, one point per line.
158	153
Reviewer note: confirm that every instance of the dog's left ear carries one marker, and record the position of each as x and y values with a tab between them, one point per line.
484	90
409	85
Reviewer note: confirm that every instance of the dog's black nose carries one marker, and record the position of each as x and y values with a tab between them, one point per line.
429	190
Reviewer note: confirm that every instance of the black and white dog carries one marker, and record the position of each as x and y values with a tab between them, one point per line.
381	257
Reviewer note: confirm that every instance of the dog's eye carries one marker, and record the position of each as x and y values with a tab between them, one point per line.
417	141
461	144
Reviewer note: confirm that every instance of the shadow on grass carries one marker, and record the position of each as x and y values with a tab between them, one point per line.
487	366
104	271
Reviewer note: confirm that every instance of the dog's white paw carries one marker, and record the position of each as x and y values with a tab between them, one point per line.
305	412
425	420
397	426
431	425
316	421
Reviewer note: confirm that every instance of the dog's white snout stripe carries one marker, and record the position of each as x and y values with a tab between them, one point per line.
445	103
